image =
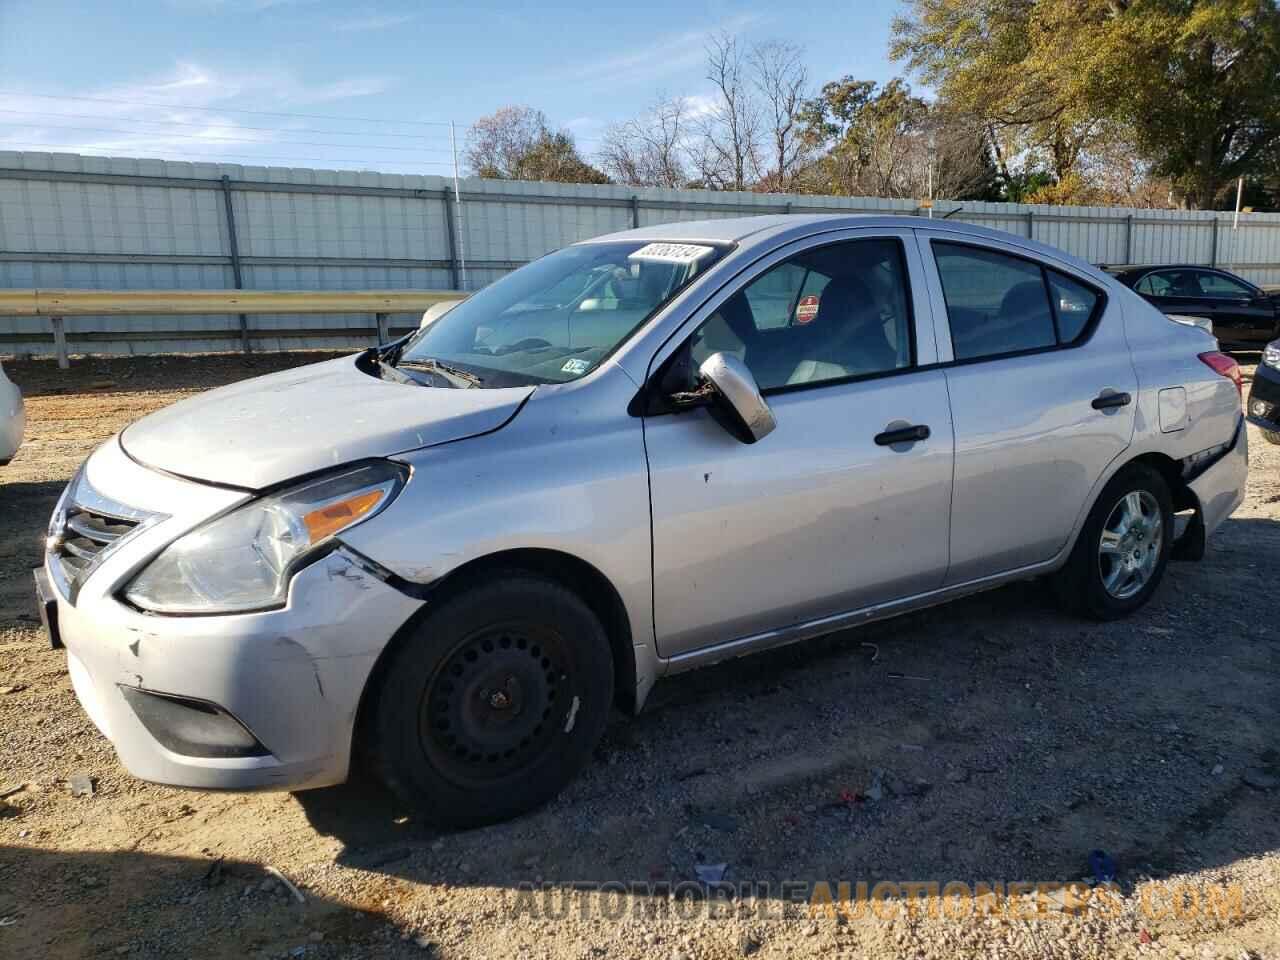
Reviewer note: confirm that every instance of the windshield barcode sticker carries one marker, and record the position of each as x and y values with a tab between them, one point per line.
671	252
575	366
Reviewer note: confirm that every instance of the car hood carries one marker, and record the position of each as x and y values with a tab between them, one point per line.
269	429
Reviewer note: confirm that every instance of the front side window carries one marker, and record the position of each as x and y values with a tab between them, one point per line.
1171	283
553	320
826	314
1217	285
999	304
1154	285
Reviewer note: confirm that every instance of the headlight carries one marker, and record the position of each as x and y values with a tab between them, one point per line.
1271	355
244	559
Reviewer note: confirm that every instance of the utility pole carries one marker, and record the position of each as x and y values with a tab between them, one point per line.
457	202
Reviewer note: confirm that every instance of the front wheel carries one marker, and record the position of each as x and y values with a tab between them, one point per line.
494	702
1123	549
1271	436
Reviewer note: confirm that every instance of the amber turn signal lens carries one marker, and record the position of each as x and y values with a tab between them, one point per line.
333	517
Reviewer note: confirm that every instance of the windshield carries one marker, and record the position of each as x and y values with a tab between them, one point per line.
556	318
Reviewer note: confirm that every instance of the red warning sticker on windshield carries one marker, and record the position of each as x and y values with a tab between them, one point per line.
807	309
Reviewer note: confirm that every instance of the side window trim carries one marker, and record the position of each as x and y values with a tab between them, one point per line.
942	319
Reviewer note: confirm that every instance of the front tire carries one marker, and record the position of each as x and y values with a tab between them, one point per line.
1271	436
494	702
1123	549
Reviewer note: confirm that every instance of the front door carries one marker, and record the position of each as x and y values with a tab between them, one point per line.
823	515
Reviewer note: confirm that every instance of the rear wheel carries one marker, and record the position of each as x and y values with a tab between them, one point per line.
1123	549
494	702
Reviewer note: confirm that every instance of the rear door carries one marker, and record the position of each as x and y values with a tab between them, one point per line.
822	516
1041	389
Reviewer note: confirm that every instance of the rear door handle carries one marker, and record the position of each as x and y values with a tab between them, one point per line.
1105	401
902	435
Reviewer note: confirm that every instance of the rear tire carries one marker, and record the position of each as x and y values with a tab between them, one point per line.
494	702
1271	436
1109	579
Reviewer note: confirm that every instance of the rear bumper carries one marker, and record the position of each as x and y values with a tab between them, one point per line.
1220	489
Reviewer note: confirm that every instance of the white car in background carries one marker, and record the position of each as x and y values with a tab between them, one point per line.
13	419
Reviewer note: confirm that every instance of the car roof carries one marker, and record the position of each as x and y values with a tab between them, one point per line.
1120	269
785	227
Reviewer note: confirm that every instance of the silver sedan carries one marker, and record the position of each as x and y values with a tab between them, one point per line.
12	418
637	455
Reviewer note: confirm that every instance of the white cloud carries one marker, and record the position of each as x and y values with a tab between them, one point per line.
189	114
372	21
700	105
670	54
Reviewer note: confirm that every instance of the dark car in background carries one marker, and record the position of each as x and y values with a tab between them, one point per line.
1263	408
1242	314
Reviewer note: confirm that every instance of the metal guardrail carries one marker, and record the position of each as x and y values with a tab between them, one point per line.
56	305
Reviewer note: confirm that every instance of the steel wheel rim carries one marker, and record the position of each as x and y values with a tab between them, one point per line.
1130	545
490	708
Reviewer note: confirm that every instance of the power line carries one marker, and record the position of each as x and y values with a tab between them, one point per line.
258	113
238	126
188	136
63	147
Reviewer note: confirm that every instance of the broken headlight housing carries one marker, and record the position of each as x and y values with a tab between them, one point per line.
244	560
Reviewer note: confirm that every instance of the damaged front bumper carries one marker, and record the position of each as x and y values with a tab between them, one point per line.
262	700
251	701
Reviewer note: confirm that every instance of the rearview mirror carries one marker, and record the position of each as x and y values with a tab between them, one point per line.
739	406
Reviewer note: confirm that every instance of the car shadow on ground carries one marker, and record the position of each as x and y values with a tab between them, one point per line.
67	904
994	738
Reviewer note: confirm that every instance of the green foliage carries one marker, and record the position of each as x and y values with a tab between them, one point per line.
516	143
1194	85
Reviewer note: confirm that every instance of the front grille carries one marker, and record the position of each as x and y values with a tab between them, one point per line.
85	528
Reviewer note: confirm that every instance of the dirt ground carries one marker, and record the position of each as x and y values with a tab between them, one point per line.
993	740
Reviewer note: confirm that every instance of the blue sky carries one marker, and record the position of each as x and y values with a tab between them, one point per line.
140	71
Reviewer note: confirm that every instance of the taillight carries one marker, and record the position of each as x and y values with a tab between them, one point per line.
1224	365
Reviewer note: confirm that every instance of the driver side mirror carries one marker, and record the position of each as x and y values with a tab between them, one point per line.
738	404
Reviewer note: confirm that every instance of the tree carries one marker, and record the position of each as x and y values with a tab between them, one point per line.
887	142
516	143
649	151
1191	84
726	148
781	79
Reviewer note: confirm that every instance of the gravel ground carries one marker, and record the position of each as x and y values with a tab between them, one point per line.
992	740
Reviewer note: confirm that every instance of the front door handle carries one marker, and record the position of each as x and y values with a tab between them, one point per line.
1105	401
902	435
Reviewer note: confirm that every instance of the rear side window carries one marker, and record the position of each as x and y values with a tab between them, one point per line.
999	304
1073	303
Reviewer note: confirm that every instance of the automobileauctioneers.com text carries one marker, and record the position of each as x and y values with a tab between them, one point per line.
855	900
